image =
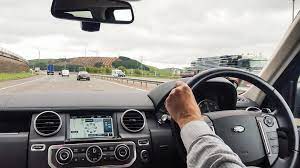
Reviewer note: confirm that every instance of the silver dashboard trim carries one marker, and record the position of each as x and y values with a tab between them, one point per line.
268	151
104	166
33	149
53	133
253	108
9	133
134	131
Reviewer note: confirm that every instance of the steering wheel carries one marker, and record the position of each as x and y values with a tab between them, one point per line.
252	135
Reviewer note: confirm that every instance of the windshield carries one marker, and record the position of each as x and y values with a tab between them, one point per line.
168	40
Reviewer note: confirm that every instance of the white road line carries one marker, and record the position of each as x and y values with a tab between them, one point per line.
124	85
20	84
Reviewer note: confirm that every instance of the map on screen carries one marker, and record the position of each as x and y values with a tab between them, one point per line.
91	127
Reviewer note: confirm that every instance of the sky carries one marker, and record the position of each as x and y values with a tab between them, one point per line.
168	33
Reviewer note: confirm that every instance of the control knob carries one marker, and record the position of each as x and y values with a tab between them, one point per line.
122	152
64	155
94	154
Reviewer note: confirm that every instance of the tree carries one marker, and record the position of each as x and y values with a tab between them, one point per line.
99	64
129	63
137	72
122	68
107	70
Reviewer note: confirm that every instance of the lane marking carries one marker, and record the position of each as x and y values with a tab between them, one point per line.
20	84
123	85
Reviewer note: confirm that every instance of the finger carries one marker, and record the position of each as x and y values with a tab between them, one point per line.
172	92
167	105
179	83
185	87
167	100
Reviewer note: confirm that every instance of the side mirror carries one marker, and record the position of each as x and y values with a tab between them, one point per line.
97	11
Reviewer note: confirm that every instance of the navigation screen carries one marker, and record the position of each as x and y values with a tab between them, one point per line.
91	127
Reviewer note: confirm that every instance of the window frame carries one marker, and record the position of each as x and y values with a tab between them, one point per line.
287	82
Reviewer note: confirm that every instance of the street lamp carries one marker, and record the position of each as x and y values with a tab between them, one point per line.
39	52
293	14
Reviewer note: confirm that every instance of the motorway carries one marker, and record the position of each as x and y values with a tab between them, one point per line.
56	83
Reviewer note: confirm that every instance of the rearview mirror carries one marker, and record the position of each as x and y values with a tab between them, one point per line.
97	11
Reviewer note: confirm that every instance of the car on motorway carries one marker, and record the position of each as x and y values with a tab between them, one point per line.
117	73
119	122
65	72
83	75
37	69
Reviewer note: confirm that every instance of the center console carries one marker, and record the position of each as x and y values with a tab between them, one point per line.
83	128
90	139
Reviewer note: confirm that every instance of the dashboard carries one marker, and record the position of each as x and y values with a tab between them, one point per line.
208	105
209	98
105	130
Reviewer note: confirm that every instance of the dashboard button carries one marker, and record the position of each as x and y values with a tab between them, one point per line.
38	147
82	149
111	148
75	150
143	142
145	156
75	159
82	158
122	152
272	135
64	155
94	154
104	158
112	158
274	142
269	121
275	149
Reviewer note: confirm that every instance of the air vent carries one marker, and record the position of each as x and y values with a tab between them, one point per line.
133	120
47	123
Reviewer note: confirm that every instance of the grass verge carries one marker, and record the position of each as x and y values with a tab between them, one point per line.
13	76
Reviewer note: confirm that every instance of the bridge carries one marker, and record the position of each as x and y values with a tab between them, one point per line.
11	62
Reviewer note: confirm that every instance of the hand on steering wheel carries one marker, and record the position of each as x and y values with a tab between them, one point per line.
182	105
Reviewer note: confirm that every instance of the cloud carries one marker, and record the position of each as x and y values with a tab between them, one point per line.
165	33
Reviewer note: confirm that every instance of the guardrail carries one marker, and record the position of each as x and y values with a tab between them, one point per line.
240	89
11	55
127	80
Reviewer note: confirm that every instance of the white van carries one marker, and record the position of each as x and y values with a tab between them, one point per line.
65	72
117	73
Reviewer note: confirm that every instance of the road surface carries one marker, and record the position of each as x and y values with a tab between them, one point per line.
56	83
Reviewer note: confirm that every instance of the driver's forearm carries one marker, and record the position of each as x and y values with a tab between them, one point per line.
205	149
